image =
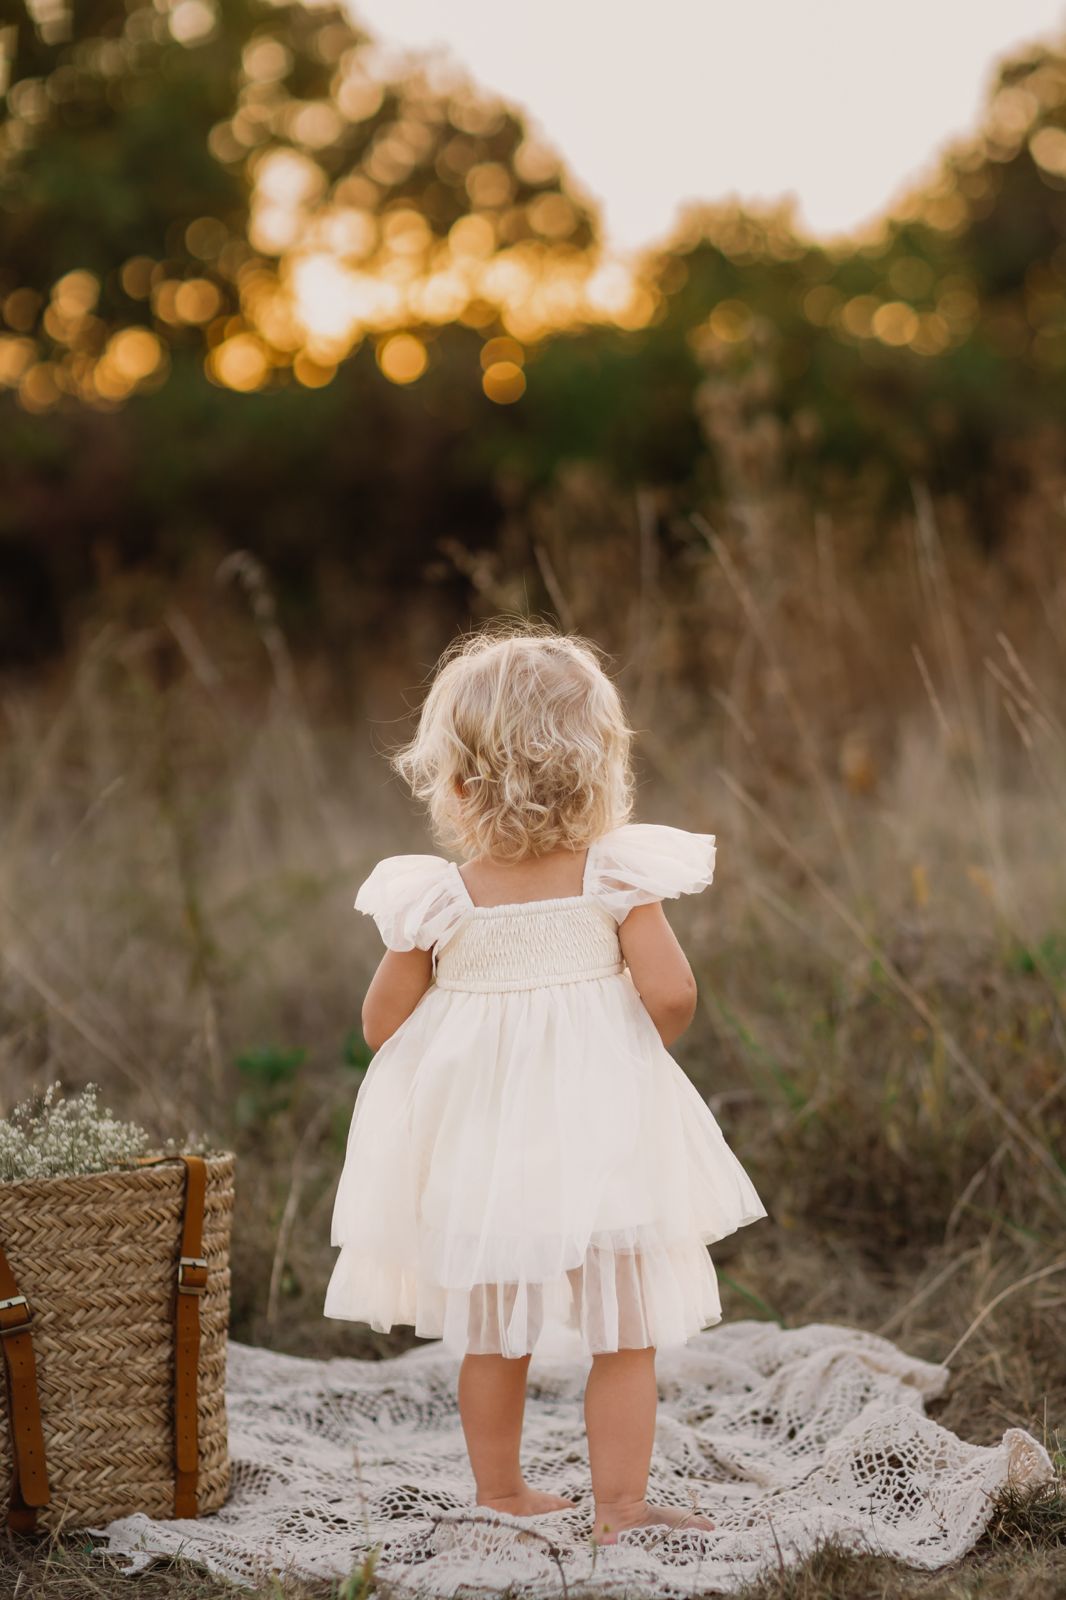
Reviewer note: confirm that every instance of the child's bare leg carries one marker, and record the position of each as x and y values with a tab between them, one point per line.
492	1398
620	1403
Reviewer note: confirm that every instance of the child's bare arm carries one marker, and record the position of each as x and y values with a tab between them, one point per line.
659	969
402	978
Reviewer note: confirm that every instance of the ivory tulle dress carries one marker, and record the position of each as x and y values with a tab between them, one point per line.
524	1149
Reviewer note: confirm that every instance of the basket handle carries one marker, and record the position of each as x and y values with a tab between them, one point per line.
191	1284
192	1281
29	1476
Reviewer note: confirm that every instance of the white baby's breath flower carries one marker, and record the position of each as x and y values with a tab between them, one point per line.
47	1136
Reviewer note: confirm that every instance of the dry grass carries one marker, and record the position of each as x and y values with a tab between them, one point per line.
882	960
71	1569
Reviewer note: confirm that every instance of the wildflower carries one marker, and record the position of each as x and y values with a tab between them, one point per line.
47	1136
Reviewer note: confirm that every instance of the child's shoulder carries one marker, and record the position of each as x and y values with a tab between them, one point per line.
639	862
414	899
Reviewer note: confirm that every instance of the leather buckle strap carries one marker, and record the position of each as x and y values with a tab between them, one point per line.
29	1478
19	1323
191	1284
192	1275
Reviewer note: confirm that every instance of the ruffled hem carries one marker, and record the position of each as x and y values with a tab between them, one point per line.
614	1299
454	1260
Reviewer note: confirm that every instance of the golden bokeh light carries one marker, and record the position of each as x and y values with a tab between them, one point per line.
509	276
58	327
474	112
16	355
455	159
164	298
1048	149
947	213
75	294
640	310
272	229
478	313
395	151
315	124
504	382
312	374
440	298
347	230
552	215
1012	112
336	303
192	21
288	178
135	353
473	237
275	317
730	321
933	335
489	184
358	97
895	322
205	237
609	289
857	315
136	277
266	59
240	362
536	163
38	388
821	304
21	308
131	358
406	232
197	300
502	349
403	358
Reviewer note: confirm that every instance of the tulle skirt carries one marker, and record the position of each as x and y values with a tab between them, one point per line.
531	1156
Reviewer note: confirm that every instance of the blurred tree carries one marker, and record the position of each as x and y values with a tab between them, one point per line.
177	181
198	206
172	175
931	347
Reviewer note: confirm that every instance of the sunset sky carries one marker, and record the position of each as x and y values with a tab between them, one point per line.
840	102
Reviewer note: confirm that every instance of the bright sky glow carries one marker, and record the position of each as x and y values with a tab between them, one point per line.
839	102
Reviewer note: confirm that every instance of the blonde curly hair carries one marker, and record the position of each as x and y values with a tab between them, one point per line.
522	745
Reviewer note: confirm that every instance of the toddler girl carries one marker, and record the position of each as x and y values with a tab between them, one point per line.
524	1149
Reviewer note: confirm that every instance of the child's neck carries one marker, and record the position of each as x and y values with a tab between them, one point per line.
555	875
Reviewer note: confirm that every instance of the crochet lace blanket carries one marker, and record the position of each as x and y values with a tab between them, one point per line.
785	1437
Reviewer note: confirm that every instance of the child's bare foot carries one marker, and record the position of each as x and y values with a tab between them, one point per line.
527	1502
611	1520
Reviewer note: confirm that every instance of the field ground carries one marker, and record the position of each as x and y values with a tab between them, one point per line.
881	965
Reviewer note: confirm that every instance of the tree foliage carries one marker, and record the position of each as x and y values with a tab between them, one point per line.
217	228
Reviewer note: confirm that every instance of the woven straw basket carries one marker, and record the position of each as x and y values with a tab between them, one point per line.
97	1260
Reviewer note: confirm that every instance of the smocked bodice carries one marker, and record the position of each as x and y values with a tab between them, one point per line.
527	946
422	902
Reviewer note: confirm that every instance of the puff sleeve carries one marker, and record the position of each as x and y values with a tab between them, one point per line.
415	901
641	862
